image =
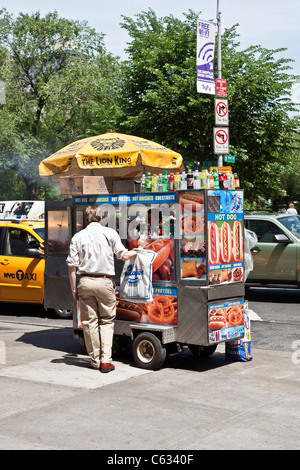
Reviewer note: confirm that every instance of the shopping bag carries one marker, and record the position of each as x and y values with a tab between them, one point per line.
240	349
136	278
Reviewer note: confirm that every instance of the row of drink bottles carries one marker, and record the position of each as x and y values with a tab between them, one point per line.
216	179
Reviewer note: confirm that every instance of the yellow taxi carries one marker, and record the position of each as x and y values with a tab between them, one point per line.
22	263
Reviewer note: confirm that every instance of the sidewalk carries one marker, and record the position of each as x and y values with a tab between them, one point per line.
51	400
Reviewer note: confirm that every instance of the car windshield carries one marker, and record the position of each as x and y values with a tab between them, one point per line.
292	223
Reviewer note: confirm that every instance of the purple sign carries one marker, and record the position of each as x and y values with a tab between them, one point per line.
205	57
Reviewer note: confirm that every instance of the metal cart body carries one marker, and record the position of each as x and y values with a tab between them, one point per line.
202	274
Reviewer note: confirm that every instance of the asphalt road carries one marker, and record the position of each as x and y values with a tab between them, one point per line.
275	318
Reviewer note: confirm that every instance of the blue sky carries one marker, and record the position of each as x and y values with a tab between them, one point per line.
270	23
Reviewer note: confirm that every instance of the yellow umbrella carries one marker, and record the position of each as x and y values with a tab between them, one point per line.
110	154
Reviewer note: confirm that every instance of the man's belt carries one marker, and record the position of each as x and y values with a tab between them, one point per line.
95	275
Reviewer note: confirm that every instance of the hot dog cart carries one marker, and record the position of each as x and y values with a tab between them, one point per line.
198	270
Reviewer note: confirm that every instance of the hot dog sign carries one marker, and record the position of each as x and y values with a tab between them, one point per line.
225	237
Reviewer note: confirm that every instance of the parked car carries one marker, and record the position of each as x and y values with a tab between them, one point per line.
276	256
22	263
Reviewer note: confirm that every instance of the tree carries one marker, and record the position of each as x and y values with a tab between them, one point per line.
61	85
162	104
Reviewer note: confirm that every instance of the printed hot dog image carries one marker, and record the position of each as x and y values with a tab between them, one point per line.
192	201
162	310
128	310
237	241
225	317
213	243
225	242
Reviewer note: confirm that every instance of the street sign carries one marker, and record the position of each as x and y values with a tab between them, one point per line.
229	158
221	140
221	112
221	87
209	164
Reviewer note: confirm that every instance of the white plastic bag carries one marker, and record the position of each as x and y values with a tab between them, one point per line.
249	243
136	278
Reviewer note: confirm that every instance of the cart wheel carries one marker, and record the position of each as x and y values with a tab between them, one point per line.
202	351
148	351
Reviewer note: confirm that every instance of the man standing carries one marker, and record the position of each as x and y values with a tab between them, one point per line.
92	253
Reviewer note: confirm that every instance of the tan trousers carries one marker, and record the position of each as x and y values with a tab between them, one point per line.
98	310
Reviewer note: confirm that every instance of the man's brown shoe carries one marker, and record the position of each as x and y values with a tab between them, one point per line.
107	367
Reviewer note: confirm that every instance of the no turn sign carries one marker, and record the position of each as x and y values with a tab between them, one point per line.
221	140
221	112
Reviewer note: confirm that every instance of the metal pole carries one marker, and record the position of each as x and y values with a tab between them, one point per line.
219	41
220	157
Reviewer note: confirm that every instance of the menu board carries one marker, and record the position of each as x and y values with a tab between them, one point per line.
192	236
225	228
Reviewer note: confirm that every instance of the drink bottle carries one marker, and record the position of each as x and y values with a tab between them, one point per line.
190	180
203	178
154	183
221	180
197	182
216	179
236	181
171	182
143	184
165	182
177	181
225	182
211	181
148	183
159	182
183	184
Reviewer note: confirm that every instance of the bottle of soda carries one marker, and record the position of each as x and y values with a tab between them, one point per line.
159	183
177	181
190	180
183	183
171	182
211	184
197	183
221	180
236	181
203	178
165	182
154	183
148	183
216	179
143	184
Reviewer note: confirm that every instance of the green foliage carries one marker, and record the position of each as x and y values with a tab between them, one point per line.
161	101
61	85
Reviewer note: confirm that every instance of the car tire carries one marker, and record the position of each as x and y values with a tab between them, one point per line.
63	312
